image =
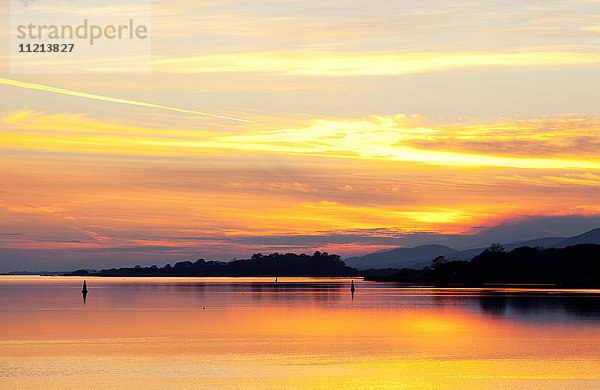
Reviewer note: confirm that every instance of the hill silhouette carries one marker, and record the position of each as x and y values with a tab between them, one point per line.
421	256
573	266
590	237
274	264
400	257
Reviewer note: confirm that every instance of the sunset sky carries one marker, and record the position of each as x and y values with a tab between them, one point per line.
293	126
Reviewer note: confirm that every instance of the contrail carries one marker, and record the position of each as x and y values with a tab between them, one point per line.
47	88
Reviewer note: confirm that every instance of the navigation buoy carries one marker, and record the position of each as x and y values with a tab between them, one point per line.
84	291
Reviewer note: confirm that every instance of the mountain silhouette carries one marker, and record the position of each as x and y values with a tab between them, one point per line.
421	256
400	257
591	237
545	242
575	266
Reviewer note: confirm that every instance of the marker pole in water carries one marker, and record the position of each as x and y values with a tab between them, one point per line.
84	291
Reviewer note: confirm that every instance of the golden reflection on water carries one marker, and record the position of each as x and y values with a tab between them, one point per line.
231	333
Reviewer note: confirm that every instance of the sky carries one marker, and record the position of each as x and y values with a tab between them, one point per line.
294	126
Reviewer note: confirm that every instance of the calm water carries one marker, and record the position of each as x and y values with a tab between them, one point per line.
233	333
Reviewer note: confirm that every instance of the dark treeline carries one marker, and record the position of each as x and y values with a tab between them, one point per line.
275	264
573	266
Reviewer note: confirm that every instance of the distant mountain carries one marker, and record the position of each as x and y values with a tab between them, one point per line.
517	230
546	242
467	254
575	266
591	237
400	257
421	256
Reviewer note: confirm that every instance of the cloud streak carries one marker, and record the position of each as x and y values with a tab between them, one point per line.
365	63
559	143
397	139
62	91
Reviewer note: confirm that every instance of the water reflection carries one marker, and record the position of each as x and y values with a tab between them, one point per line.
493	304
550	306
543	306
296	333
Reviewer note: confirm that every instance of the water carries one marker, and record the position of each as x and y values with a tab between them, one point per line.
236	333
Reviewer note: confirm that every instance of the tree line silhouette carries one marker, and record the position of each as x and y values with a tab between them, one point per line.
274	264
573	266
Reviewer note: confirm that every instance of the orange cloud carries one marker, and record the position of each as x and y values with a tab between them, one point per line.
561	143
73	182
